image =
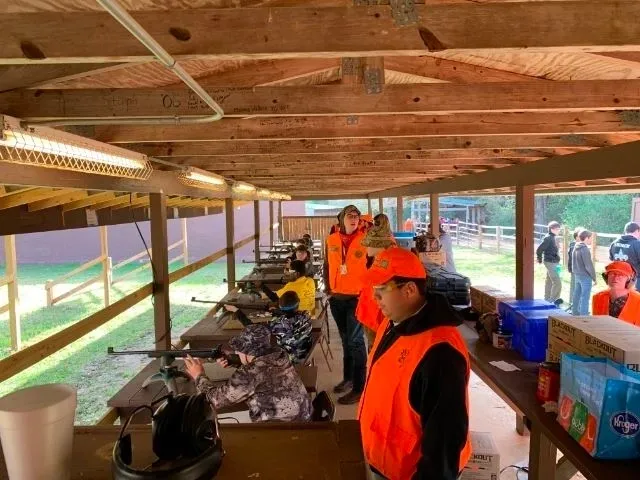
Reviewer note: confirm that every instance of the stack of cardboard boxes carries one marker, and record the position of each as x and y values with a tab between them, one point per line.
595	336
485	459
485	299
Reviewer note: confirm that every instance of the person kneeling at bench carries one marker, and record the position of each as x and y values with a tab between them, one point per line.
266	380
302	285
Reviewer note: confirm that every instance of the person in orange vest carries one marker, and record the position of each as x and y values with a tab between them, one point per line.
378	240
621	300
409	226
414	412
344	270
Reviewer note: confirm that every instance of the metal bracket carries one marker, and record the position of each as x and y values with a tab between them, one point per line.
373	80
351	65
404	12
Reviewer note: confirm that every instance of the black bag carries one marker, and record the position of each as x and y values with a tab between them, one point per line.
455	287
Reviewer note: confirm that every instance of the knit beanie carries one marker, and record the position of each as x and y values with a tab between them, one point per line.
380	235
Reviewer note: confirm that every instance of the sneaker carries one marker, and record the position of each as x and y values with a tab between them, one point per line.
342	387
350	398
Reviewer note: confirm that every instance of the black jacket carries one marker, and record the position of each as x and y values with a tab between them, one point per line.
548	249
627	249
437	392
572	245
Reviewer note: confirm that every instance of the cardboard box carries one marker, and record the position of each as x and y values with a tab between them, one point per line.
563	328
485	460
620	349
556	347
477	293
439	258
490	300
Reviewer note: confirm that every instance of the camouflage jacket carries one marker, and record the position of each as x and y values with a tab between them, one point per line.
270	386
293	334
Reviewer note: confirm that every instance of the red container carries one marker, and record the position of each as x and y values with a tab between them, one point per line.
548	382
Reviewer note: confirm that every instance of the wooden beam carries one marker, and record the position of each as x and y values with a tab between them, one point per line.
329	32
24	76
271	224
90	200
280	222
610	162
124	199
434	214
160	261
330	170
256	229
378	144
380	205
369	207
452	71
13	303
329	99
24	197
106	264
231	251
380	126
525	209
71	196
141	201
399	219
160	181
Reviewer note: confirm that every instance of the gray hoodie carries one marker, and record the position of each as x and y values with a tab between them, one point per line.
581	263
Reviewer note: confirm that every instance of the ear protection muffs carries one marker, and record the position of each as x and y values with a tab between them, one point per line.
630	282
184	434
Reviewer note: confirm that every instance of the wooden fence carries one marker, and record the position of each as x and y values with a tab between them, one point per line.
318	227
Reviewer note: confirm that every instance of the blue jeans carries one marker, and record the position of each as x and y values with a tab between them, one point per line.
354	352
581	294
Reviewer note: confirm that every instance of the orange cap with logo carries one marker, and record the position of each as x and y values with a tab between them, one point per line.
395	262
621	267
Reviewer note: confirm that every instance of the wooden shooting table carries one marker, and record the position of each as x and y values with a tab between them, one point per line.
518	390
133	395
266	451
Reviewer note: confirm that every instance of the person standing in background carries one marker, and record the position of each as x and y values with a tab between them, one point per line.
344	270
627	248
585	273
409	226
620	300
378	240
572	245
446	243
547	252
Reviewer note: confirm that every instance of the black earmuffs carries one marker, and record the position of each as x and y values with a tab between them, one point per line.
184	432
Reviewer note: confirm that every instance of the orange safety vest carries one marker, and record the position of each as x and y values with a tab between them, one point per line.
354	260
368	312
391	429
630	312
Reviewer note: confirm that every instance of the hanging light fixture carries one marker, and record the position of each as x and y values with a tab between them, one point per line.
243	188
199	178
50	148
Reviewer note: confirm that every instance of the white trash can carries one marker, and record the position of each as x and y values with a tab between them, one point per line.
36	430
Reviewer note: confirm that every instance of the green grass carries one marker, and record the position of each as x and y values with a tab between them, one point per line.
485	267
85	363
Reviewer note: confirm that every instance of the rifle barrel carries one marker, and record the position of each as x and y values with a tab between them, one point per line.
202	353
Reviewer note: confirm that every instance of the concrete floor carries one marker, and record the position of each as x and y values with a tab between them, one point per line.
488	412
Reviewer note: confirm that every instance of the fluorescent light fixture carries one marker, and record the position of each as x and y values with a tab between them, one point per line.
202	179
47	147
264	194
242	187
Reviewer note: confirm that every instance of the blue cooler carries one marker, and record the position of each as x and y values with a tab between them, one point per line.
532	327
508	309
405	240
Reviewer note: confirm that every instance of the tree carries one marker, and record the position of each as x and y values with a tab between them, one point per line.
500	210
598	213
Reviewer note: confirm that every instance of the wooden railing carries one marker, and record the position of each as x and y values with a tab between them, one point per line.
10	279
104	275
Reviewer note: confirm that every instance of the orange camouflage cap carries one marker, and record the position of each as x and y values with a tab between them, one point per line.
621	267
395	262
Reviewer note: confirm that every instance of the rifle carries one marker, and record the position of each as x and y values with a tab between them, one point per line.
168	372
268	261
247	306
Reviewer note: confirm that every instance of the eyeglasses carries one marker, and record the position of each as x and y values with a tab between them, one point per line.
353	216
388	287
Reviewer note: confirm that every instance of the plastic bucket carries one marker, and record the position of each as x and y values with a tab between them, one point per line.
36	430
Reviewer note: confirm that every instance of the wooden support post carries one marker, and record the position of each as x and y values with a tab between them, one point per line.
185	241
498	235
280	222
565	246
271	224
256	227
542	456
380	205
106	270
11	267
231	252
434	214
479	236
160	259
399	208
369	206
594	247
525	209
